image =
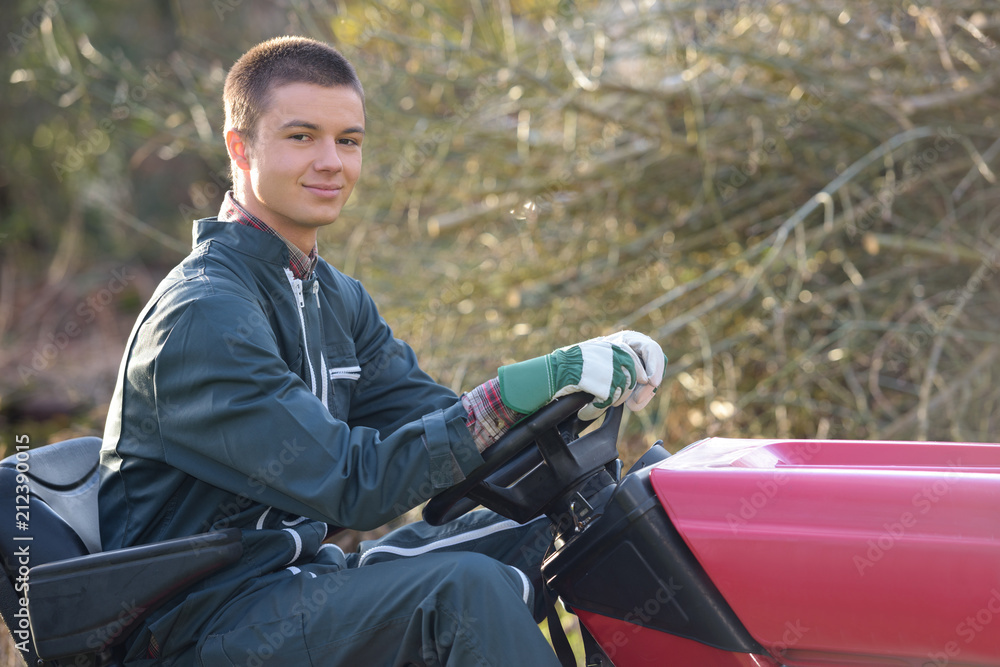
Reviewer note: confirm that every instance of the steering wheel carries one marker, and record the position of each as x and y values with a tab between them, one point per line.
518	480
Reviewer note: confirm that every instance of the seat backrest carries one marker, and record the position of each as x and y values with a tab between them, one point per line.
63	482
51	493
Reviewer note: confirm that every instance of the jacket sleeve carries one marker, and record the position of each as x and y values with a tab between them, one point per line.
393	389
240	419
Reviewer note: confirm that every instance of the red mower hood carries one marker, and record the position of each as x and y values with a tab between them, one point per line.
839	552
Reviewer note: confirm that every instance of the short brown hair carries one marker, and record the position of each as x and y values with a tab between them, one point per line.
276	62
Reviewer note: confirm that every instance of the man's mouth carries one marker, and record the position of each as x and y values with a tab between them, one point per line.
326	191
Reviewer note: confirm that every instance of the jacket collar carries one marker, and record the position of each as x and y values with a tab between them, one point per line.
254	242
300	263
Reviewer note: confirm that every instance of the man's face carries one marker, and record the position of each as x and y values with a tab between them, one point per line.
304	161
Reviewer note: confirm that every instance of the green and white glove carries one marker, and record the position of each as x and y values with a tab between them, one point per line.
653	364
609	371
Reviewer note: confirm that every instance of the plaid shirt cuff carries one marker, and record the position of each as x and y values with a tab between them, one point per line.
488	417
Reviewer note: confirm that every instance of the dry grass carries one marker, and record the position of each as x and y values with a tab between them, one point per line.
9	655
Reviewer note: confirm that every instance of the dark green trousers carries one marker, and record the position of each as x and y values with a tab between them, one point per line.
464	595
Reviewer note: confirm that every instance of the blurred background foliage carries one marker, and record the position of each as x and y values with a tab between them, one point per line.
797	199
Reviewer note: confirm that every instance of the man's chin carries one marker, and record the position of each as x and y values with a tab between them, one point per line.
319	218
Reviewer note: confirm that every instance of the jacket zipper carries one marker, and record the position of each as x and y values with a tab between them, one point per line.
297	289
322	360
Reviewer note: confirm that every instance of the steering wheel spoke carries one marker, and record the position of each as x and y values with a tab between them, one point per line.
539	460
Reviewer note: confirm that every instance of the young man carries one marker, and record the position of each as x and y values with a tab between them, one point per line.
260	389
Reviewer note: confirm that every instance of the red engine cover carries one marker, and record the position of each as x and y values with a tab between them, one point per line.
848	553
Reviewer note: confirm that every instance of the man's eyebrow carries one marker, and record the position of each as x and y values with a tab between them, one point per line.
313	126
299	123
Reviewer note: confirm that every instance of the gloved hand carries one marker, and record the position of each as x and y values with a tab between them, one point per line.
610	368
653	364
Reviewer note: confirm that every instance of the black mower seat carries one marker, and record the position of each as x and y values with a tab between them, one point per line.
71	612
51	494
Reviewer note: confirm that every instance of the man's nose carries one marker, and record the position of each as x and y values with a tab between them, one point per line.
328	158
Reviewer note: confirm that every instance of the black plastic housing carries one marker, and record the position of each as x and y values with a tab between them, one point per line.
633	565
537	467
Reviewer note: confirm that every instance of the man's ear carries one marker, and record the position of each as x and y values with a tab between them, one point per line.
239	149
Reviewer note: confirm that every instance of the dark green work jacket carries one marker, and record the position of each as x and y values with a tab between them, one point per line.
248	398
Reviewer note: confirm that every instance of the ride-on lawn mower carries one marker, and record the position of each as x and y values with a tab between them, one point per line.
730	553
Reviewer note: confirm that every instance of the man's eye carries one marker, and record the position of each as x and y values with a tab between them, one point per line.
299	137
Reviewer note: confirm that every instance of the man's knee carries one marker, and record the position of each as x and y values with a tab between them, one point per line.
482	579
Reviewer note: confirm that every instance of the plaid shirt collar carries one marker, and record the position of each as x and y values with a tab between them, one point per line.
300	263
